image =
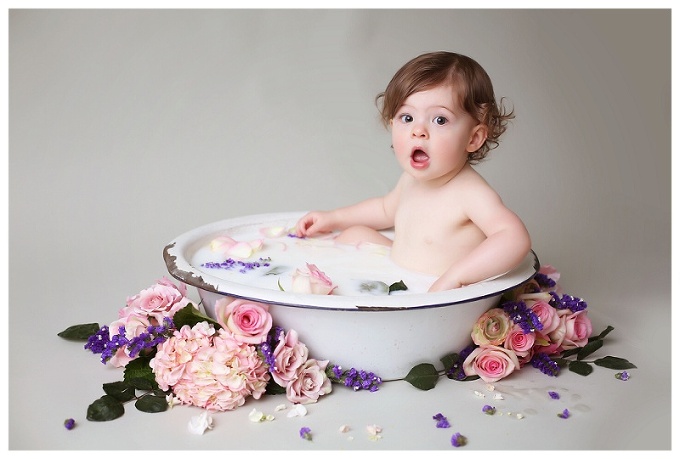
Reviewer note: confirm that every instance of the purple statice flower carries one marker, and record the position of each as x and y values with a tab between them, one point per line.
442	422
356	379
554	395
153	336
488	409
103	343
544	363
523	316
623	376
456	371
97	343
573	303
458	440
306	433
242	266
544	281
70	423
564	414
267	348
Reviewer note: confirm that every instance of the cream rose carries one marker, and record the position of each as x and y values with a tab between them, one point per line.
311	383
491	328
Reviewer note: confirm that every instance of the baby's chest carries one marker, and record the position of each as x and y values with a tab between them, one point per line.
429	217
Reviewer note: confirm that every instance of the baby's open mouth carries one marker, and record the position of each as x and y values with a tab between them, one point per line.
419	156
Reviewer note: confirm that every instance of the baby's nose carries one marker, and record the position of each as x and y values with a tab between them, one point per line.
419	130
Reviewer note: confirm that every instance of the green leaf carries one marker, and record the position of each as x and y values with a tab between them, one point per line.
398	286
120	390
106	408
614	363
190	316
79	332
589	349
581	368
274	389
276	270
449	360
570	352
423	376
142	383
562	363
374	288
278	282
604	333
151	403
139	369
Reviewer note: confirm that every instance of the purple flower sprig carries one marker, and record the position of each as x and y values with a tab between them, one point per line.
356	379
544	281
573	303
103	343
267	348
70	423
456	371
242	266
521	315
545	364
153	336
564	414
488	409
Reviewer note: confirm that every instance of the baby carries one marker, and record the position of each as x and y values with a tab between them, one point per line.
447	220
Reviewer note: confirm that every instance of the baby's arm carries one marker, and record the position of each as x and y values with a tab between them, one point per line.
377	213
507	243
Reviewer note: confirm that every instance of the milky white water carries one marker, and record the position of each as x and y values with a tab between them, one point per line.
363	269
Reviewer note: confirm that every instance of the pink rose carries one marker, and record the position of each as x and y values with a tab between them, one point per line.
519	342
311	383
248	321
158	301
491	363
312	280
578	329
289	356
551	343
553	274
539	305
491	328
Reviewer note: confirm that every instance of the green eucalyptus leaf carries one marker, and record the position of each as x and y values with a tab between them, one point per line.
374	288
106	408
79	332
570	352
398	286
137	370
614	363
581	368
604	333
589	349
151	403
423	376
190	316
562	363
449	360
274	389
120	390
276	270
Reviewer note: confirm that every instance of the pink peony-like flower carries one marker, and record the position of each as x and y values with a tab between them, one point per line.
312	280
160	300
290	354
491	328
134	325
310	383
578	329
490	363
248	321
519	342
209	369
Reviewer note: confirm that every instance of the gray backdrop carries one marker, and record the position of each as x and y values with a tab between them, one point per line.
130	127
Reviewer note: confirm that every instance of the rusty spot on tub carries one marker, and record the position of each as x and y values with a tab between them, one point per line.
182	275
379	308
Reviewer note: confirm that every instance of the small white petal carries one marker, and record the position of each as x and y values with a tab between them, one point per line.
520	416
256	416
269	417
198	424
280	407
498	396
490	387
479	394
297	410
344	428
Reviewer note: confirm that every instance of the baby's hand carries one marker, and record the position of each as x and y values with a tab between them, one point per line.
442	284
313	223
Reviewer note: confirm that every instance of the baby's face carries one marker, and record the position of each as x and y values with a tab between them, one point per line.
432	135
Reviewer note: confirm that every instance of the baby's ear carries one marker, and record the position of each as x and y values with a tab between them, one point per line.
477	137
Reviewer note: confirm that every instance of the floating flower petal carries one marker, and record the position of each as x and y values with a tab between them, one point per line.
199	424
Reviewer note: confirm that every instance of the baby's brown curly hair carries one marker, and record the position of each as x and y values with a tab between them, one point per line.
470	79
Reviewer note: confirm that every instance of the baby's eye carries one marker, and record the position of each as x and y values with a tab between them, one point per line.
440	120
406	118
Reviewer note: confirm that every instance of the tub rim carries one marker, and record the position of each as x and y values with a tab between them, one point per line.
180	268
